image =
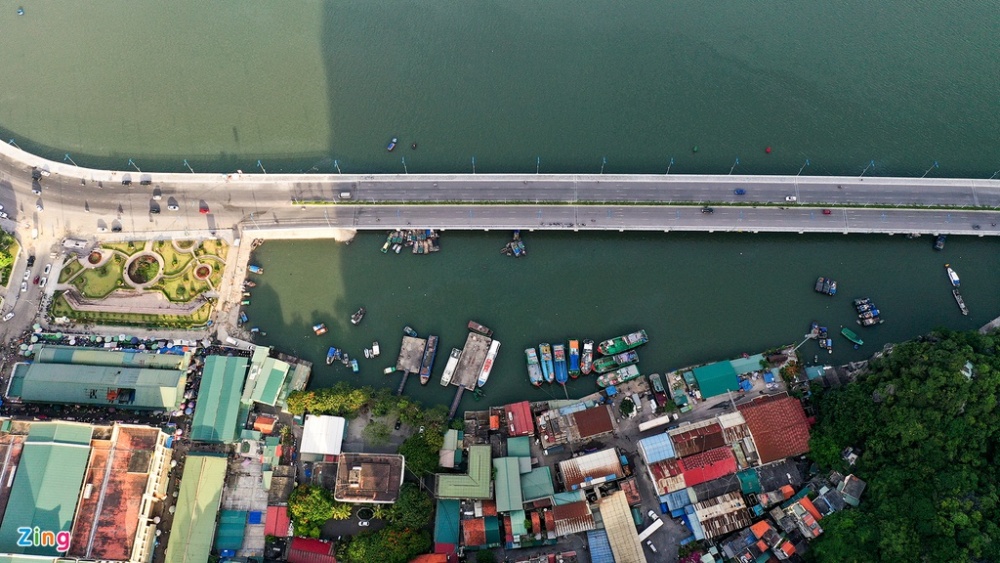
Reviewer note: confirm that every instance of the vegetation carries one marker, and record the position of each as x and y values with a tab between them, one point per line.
144	269
627	407
60	308
71	269
928	437
389	545
421	451
413	509
486	556
8	250
376	433
311	506
95	283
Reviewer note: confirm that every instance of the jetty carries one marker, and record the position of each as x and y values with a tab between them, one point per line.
470	365
411	354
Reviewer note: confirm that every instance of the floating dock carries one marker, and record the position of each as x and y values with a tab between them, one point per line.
411	354
470	365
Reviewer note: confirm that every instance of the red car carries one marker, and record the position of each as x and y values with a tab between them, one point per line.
827	212
35	281
203	210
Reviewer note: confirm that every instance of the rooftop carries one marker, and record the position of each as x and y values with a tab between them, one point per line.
508	484
721	515
709	465
697	438
657	448
217	411
537	484
51	354
573	518
473	485
621	530
590	468
308	550
778	425
269	382
193	529
373	478
716	379
593	422
112	386
277	521
446	521
519	419
323	435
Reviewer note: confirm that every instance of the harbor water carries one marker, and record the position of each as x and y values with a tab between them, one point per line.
700	297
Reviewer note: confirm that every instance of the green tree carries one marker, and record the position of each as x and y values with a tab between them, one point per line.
310	507
486	556
376	433
627	407
421	452
389	545
413	509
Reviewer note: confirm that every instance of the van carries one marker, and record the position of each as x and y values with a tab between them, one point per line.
345	195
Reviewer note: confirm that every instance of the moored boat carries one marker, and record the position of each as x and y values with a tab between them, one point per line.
534	369
850	335
559	359
319	329
609	363
358	315
939	242
620	344
389	370
408	331
255	269
960	301
826	286
481	329
587	364
833	288
872	321
392	144
449	368
427	364
332	354
620	375
574	358
355	367
862	301
819	284
545	352
952	276
375	349
491	357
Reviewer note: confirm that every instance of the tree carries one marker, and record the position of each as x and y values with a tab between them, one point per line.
389	545
376	433
627	407
310	507
413	509
421	456
486	556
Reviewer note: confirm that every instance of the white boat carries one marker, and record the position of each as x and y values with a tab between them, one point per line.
375	349
368	353
952	276
449	368
488	364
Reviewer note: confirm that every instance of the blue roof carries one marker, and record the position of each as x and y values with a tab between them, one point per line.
657	447
600	547
446	520
677	499
815	372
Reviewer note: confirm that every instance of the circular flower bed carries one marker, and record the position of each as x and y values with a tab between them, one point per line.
366	513
95	257
203	271
143	269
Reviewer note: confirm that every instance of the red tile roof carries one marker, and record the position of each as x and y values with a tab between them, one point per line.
519	419
810	507
593	422
760	528
706	466
778	425
550	521
306	550
277	521
489	508
474	532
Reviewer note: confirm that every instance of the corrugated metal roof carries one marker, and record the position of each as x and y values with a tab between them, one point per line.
690	441
590	467
229	534
323	435
215	417
50	354
508	484
270	380
721	515
277	521
600	547
517	527
473	485
657	448
593	422
197	505
99	385
474	532
519	420
573	518
47	483
537	484
620	528
778	425
446	520
709	465
519	447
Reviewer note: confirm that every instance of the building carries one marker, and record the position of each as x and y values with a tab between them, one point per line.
620	528
47	483
193	529
593	422
308	550
109	386
519	419
475	484
573	518
508	484
277	523
536	485
657	447
698	437
369	478
706	466
851	488
447	517
722	515
322	436
591	469
778	425
216	416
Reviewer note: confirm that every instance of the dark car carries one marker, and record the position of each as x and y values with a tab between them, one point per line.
154	209
740	191
116	229
399	424
35	281
707	210
31	261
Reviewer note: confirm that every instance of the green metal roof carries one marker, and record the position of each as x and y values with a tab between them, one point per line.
537	484
492	530
269	382
197	504
49	354
229	535
130	388
508	484
47	483
716	379
26	559
519	447
216	415
473	485
446	519
517	523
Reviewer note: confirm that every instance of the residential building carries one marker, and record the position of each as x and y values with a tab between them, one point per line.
322	437
369	478
591	469
778	425
620	529
475	484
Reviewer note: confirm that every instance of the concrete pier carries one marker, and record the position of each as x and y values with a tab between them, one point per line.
471	362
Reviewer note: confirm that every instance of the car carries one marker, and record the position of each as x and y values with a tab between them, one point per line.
649	544
8	316
48	268
42	283
36	189
102	229
791	198
975	227
827	212
154	210
24	287
116	229
203	210
27	275
653	515
1	208
36	174
421	430
31	261
173	207
399	424
3	215
740	191
35	281
157	194
38	207
364	523
707	210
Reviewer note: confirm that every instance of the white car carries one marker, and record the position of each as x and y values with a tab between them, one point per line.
38	207
652	515
27	275
42	283
48	268
791	198
173	207
102	229
1	208
3	215
24	287
649	544
8	316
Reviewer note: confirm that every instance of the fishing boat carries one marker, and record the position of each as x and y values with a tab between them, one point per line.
872	321
862	301
255	269
249	283
939	242
870	314
449	368
609	363
332	355
534	369
588	357
574	358
385	247
960	301
476	327
389	370
850	335
375	349
355	367
408	331
427	364
246	294
243	317
358	315
255	330
559	356
620	375
368	353
833	288
345	359
620	344
819	284
829	345
392	144
545	351
952	276
491	356
319	329
826	286
245	302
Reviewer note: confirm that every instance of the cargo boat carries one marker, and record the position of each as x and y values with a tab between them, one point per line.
621	375
620	344
587	365
449	368
319	329
952	276
355	367
534	369
609	363
850	335
559	357
332	355
491	356
476	327
960	301
358	315
574	358
545	352
427	364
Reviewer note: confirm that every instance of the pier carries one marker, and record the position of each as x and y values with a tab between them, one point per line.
469	366
411	353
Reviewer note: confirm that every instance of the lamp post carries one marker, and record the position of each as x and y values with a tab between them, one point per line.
188	166
803	166
735	164
67	157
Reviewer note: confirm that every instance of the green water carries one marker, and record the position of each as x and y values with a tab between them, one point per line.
700	297
301	84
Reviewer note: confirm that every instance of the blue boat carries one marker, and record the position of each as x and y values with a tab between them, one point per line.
427	363
545	351
332	355
255	269
574	358
354	366
392	144
559	354
243	317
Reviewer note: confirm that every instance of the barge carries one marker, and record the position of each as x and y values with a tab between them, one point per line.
476	327
960	301
427	364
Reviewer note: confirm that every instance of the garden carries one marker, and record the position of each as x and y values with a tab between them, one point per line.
8	251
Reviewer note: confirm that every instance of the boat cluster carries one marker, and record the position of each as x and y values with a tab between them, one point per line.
868	313
615	361
423	241
515	247
827	286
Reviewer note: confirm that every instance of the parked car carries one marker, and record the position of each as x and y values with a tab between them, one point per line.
740	191
35	281
8	316
3	215
173	207
827	212
653	515
31	261
48	268
649	544
791	198
38	207
42	283
157	194
399	424
24	287
203	209
27	275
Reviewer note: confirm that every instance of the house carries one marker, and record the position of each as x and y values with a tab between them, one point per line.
778	425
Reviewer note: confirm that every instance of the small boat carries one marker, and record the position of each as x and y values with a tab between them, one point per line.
868	314
829	345
243	317
368	353
610	363
862	301
850	335
534	369
620	344
389	370
952	276
819	284
622	375
249	283
588	357
833	288
476	327
396	248
865	307
960	301
345	359
246	294
408	331
255	269
574	358
20	11
355	367
358	315
332	354
871	321
449	368
826	286
491	357
385	247
939	242
392	144
245	302
559	358
427	364
545	353
375	349
319	329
